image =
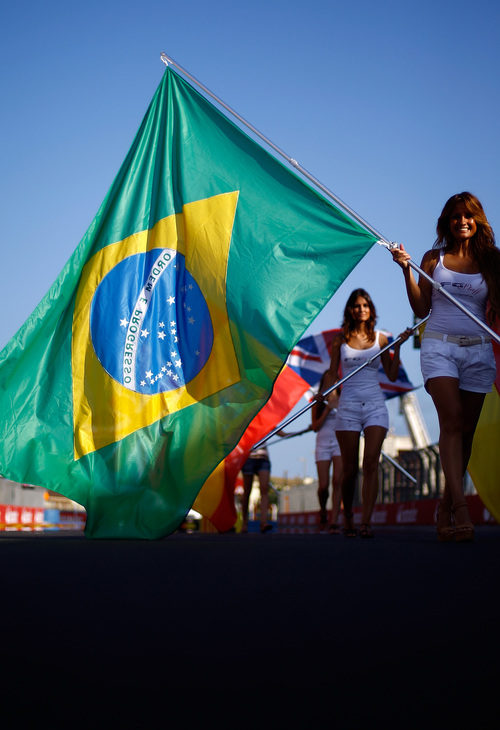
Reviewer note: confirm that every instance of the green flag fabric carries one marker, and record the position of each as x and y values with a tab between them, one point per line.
161	339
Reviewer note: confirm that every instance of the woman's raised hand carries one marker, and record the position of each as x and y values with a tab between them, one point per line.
400	256
404	335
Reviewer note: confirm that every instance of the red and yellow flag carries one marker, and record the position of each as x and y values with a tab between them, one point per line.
216	498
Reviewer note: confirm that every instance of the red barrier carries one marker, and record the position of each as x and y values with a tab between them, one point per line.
15	517
418	512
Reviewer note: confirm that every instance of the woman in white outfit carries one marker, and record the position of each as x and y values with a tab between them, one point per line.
327	454
456	357
362	405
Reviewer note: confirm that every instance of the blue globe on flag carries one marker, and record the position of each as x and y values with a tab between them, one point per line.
150	324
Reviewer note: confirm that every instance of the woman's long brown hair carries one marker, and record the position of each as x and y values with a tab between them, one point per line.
482	245
349	323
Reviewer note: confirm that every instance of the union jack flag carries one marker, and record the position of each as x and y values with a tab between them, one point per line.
311	357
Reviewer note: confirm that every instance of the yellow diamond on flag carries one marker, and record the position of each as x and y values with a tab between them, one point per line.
150	326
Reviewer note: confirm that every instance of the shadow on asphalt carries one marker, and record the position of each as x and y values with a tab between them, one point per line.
400	625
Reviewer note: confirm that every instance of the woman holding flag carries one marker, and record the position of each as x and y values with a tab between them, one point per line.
361	405
457	361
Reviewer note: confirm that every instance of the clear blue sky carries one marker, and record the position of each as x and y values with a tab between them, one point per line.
394	106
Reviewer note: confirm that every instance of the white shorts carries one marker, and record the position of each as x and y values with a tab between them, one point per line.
473	366
327	445
357	415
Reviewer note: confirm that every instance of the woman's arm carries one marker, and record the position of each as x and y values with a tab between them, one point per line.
419	294
391	364
320	414
331	375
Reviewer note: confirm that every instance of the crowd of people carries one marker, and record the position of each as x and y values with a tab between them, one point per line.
458	369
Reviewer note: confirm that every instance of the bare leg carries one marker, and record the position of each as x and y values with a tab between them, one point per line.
336	489
247	488
472	404
458	412
264	496
323	468
446	396
349	448
374	438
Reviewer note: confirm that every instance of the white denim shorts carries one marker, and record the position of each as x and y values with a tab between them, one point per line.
357	415
327	445
473	366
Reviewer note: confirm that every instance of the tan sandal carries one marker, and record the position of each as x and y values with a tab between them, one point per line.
444	528
465	531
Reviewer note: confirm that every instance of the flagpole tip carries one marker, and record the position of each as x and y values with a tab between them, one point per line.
165	59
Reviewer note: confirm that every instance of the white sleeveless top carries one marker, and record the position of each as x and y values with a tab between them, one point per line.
469	289
364	386
261	453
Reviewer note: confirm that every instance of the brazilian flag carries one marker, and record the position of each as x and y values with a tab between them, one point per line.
161	339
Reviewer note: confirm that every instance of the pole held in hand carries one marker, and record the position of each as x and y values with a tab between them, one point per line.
336	385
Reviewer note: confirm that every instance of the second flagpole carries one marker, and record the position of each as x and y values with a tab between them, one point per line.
335	386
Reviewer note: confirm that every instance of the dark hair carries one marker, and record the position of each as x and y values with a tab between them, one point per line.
349	323
482	244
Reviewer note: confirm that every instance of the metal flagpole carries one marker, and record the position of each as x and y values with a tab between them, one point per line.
398	466
290	436
168	60
335	386
381	239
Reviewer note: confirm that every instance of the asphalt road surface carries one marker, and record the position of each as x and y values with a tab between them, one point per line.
398	631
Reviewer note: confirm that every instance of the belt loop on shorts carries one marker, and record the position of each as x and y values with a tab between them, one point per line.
460	340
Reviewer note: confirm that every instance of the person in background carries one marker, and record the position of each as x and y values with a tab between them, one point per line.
361	407
327	453
258	463
456	356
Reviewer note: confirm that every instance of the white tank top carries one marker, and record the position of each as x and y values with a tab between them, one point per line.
469	289
364	386
261	453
